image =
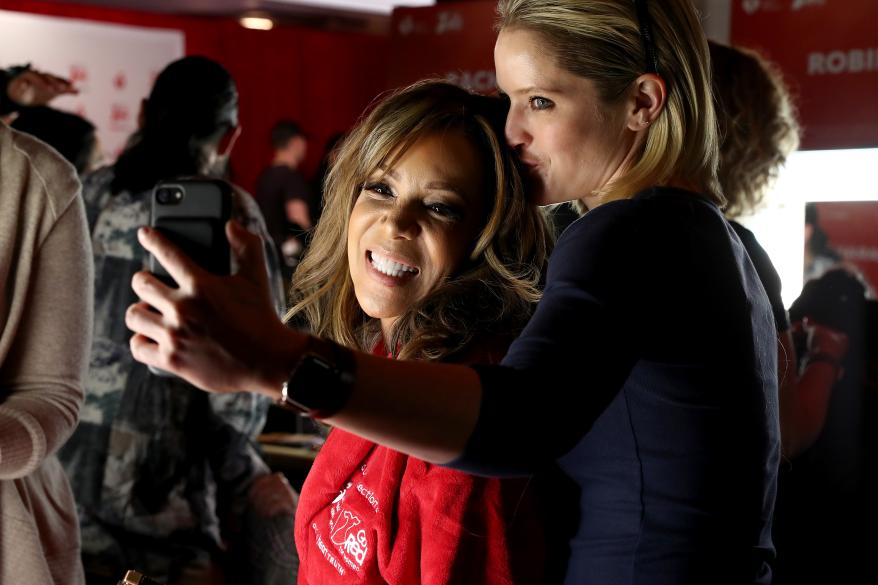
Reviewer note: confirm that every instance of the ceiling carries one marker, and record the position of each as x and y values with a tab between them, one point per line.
332	14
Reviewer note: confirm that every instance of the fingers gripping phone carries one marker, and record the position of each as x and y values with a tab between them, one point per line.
192	214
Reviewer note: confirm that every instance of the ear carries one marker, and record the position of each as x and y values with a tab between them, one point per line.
648	98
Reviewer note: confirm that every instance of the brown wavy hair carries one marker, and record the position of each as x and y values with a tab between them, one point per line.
492	295
758	125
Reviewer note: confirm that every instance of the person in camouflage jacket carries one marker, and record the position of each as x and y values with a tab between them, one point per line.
161	471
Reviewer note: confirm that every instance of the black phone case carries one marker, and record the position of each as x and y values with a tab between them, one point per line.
195	223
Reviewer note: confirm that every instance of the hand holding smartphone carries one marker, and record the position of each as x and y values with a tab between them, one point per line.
192	214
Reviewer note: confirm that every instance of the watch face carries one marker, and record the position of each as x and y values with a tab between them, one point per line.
320	385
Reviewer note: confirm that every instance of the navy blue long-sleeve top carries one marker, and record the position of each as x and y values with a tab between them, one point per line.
645	388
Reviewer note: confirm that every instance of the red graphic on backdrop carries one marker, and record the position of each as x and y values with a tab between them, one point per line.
78	74
454	41
828	54
120	81
482	81
406	26
852	232
800	4
120	116
449	21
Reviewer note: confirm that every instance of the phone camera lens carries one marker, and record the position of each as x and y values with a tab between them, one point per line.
169	196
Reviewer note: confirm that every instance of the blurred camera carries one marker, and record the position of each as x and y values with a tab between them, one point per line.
169	195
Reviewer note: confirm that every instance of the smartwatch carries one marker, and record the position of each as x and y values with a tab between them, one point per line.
321	382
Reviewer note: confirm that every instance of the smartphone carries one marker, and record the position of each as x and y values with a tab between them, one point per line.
192	213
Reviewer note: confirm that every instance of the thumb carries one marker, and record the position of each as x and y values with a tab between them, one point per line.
247	250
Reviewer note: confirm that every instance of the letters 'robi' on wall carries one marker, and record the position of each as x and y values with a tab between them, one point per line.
828	52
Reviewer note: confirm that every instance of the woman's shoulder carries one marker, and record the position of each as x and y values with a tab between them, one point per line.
29	163
639	218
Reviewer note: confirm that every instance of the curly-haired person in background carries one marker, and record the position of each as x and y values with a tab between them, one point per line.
759	130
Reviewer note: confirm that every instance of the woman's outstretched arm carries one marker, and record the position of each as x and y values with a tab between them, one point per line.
427	410
222	334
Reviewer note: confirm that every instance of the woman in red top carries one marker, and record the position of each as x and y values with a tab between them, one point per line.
442	262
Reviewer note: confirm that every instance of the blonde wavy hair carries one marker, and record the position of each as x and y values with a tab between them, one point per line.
492	295
601	40
758	125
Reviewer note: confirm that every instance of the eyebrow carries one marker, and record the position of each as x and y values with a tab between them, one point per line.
445	186
535	89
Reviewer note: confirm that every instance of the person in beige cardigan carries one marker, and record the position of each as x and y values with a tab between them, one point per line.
45	334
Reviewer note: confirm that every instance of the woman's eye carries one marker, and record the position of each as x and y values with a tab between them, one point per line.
445	211
540	103
379	188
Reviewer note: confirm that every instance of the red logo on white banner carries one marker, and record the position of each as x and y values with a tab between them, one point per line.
78	74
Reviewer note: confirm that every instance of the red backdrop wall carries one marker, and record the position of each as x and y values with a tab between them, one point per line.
323	80
452	40
850	227
828	52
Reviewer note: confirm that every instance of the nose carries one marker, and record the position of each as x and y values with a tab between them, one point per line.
401	221
516	132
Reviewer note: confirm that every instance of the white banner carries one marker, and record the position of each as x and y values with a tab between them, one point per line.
112	65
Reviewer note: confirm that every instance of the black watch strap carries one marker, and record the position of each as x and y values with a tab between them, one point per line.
322	380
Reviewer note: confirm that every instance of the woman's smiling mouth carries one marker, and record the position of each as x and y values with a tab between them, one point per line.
388	267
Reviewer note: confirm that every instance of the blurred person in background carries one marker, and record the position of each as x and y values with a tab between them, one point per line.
759	130
22	87
165	480
283	194
819	344
71	135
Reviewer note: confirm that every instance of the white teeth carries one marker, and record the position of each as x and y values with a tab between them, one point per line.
389	267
